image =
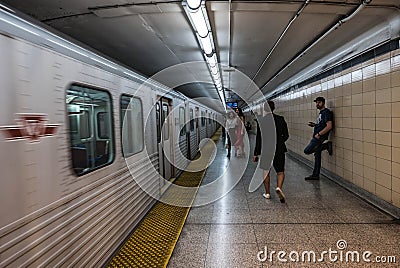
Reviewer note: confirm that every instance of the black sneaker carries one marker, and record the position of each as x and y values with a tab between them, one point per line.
329	149
311	177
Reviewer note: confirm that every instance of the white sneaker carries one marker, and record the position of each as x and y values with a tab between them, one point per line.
280	194
267	196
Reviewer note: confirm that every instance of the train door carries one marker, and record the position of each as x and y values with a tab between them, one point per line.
206	123
164	138
187	129
198	125
209	125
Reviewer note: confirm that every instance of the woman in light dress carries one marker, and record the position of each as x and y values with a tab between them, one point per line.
240	130
230	125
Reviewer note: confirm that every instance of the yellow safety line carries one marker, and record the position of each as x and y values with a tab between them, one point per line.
154	240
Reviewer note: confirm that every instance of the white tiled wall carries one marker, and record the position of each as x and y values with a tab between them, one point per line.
365	100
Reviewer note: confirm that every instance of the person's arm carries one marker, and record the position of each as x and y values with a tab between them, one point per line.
242	123
325	130
285	133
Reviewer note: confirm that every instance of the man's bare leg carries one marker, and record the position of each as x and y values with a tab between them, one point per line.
267	179
280	179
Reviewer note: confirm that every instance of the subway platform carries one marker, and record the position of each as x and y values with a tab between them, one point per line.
320	225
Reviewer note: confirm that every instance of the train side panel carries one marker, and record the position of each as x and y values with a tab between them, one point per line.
51	216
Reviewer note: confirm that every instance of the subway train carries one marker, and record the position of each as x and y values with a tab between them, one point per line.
71	123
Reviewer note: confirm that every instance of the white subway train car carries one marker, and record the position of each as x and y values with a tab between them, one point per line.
67	196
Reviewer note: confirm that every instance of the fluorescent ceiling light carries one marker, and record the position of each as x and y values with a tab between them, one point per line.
215	75
214	70
193	4
212	61
197	14
207	44
199	22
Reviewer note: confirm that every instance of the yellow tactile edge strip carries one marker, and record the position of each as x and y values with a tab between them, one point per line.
153	241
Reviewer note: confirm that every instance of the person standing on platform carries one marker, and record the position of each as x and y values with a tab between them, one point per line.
231	124
321	132
239	144
282	135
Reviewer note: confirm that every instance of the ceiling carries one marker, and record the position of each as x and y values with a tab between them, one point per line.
250	37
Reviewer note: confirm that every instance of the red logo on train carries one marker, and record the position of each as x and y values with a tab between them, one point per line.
31	127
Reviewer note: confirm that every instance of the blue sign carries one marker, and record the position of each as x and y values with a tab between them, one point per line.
232	104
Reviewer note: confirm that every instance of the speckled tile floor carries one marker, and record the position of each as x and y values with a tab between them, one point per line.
237	229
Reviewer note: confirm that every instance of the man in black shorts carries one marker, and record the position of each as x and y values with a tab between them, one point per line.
282	135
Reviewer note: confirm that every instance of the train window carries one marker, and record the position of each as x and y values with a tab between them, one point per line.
191	120
182	120
166	121
131	125
84	125
203	119
91	147
209	118
102	123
